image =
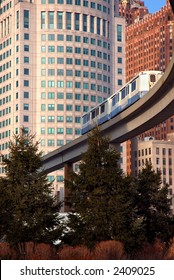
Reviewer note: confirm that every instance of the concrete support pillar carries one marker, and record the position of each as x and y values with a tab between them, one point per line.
67	169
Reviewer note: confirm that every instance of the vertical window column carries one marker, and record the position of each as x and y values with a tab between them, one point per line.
108	31
60	20
92	24
43	20
68	20
26	19
77	21
98	26
17	19
104	27
85	23
51	20
119	33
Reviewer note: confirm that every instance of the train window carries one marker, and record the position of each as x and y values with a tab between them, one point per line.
97	111
127	90
123	93
102	108
85	118
93	114
114	100
133	85
152	78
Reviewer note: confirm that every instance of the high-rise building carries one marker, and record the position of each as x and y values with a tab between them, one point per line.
58	59
150	45
149	42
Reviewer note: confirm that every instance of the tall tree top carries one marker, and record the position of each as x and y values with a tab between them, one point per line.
24	154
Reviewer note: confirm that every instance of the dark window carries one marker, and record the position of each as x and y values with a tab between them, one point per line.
26	19
133	85
152	78
93	114
102	108
123	93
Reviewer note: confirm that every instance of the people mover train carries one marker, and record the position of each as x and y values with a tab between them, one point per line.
135	89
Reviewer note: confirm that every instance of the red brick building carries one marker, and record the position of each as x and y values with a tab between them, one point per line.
150	45
149	42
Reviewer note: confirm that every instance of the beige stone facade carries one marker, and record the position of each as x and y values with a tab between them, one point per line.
58	59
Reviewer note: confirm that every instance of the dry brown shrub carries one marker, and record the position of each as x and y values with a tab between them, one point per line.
109	250
31	251
155	251
170	252
74	253
40	251
7	252
4	249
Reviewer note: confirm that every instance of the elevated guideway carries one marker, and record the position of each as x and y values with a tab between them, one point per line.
155	107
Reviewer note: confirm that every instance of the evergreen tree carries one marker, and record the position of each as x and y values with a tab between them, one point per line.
28	211
99	197
153	205
127	226
4	201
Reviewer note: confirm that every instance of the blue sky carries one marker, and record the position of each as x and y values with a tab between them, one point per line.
154	5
